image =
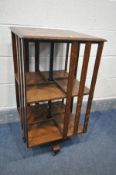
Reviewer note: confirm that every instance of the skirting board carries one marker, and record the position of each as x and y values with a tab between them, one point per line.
10	114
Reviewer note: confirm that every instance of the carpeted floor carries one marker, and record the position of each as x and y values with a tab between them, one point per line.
93	153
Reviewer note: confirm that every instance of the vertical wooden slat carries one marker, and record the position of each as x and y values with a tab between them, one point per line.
82	85
51	72
14	52
36	56
77	60
23	54
74	52
92	87
20	83
15	67
27	56
51	62
67	53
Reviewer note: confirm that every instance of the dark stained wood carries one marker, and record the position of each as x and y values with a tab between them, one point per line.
26	56
67	54
36	56
14	53
93	82
82	85
52	34
51	63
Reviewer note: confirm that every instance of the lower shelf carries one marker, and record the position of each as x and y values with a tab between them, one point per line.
51	129
49	132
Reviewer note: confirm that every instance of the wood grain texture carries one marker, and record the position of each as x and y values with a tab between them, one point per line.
63	84
50	131
72	67
82	85
32	78
52	34
44	93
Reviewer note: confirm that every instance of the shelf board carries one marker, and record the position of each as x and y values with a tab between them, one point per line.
63	84
44	93
60	119
52	91
44	133
57	74
32	78
50	131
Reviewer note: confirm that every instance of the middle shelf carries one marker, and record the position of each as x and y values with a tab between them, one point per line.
40	89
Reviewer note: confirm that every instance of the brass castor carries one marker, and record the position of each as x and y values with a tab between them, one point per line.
55	148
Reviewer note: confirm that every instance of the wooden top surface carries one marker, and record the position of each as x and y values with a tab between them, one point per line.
52	34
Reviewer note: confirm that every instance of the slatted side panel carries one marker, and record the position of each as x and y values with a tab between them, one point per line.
23	56
82	85
15	67
93	83
74	53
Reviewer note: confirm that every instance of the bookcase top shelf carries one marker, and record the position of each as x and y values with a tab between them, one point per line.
53	34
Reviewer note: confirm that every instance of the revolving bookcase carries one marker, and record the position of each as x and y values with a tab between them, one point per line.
45	99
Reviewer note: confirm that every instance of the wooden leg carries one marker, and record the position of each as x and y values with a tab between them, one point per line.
81	86
74	52
55	148
93	82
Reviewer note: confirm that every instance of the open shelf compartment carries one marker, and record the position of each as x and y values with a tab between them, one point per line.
50	129
57	74
44	93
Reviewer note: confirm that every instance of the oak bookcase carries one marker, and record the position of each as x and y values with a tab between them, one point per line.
45	98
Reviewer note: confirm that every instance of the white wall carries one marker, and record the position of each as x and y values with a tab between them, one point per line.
91	17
